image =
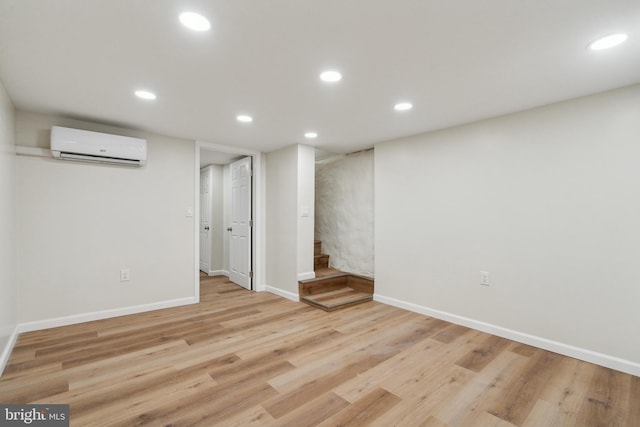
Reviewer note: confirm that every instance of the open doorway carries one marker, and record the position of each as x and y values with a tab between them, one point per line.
344	211
228	220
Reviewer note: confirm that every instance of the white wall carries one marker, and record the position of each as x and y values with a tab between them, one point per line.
289	237
345	212
78	224
547	201
8	284
281	211
306	210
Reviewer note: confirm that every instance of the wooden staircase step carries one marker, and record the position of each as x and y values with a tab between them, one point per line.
338	298
324	272
317	247
320	261
335	290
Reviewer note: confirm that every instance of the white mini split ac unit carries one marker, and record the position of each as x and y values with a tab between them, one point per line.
83	145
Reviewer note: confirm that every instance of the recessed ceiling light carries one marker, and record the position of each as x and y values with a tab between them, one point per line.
403	106
311	135
145	94
244	118
607	42
330	76
194	21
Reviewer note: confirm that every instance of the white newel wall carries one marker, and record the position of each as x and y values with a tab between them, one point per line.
289	234
345	212
306	214
281	219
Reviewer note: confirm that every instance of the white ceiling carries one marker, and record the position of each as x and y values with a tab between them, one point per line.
456	61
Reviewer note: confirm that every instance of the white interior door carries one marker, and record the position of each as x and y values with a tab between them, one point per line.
205	219
240	229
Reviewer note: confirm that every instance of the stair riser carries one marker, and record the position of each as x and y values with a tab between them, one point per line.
320	261
361	284
330	283
321	285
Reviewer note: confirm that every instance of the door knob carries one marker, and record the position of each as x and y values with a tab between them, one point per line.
229	229
206	228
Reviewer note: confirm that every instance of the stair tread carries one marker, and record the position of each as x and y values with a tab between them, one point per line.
338	298
323	272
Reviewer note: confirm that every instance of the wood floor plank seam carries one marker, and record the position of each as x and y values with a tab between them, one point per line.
241	358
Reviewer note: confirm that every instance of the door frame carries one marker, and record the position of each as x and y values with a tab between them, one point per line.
257	202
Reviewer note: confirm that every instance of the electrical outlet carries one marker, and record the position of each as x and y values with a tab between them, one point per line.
125	274
484	278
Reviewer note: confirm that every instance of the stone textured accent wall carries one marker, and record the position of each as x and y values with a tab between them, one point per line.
344	212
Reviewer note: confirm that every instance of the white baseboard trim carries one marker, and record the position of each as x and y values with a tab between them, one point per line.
601	359
218	273
284	294
306	276
99	315
6	351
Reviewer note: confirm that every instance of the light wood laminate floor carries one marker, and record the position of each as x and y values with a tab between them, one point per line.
255	359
